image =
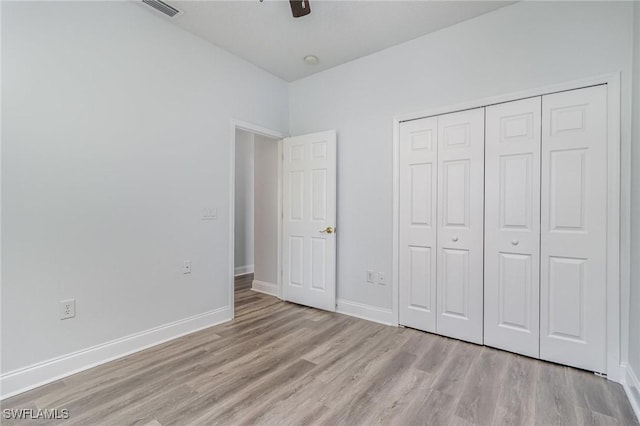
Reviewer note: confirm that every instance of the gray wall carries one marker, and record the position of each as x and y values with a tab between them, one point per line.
115	137
266	209
526	45
244	205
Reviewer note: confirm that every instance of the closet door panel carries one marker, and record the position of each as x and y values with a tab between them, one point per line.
460	224
418	192
512	226
573	234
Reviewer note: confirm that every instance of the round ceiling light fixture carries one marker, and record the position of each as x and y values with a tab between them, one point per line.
311	59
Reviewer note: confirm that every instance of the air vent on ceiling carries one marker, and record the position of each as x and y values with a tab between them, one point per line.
162	7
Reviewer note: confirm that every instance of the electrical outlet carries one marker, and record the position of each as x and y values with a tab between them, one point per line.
371	276
67	308
381	280
186	267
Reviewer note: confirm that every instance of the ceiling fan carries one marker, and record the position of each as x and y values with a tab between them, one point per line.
300	8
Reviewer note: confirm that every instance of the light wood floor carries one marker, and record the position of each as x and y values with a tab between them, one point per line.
278	363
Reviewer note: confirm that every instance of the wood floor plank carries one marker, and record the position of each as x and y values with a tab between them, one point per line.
358	408
516	401
555	403
33	396
438	409
231	381
354	372
279	363
255	394
145	409
482	386
587	417
457	367
395	402
590	392
435	356
624	411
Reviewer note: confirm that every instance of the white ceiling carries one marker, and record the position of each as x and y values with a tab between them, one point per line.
336	32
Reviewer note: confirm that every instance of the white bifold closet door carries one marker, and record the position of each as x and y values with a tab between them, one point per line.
512	226
441	224
460	213
418	200
503	229
573	231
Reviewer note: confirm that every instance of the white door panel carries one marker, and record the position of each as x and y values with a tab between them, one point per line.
309	200
460	212
418	199
512	226
573	230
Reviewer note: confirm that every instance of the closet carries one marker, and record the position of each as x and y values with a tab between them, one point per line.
502	226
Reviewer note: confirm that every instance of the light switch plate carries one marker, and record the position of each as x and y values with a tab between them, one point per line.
209	214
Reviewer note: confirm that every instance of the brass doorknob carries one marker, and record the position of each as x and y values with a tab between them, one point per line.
328	230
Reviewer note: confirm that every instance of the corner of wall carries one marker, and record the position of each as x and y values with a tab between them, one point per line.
265	287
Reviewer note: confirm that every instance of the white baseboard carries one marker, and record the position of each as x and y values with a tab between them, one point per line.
264	287
631	386
33	376
367	312
243	270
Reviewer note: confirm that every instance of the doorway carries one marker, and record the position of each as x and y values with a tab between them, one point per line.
256	208
305	232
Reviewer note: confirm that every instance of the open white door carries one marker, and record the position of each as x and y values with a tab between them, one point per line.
309	220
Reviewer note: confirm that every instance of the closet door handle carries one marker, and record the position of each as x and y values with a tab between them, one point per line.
454	239
514	242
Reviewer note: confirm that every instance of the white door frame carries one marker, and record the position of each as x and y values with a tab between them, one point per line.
259	130
615	310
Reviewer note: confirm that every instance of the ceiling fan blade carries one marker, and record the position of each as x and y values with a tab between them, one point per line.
300	8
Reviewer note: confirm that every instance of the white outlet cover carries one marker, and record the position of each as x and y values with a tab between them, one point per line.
186	267
67	308
381	280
